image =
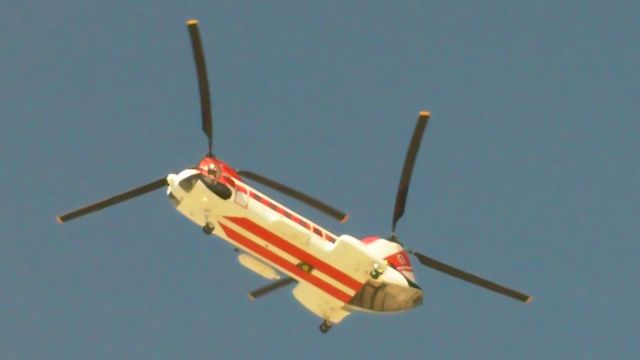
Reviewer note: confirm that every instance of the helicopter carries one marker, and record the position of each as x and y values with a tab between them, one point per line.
334	276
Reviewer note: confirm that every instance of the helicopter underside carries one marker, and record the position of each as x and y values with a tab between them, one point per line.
214	204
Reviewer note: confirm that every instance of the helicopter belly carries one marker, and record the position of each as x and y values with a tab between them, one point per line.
320	304
303	264
334	277
267	236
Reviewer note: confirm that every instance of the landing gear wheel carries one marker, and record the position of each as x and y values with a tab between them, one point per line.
325	327
208	228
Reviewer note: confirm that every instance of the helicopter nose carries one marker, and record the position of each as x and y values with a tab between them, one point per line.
172	180
173	190
176	189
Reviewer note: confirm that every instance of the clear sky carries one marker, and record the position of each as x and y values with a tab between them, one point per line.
529	172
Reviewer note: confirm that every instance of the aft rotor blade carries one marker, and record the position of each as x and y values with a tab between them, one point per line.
113	200
203	81
315	203
407	169
270	288
463	275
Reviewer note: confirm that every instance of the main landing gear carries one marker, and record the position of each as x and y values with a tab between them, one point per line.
208	228
325	327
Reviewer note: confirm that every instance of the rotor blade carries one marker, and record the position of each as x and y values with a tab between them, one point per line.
113	200
407	169
490	285
317	204
271	287
203	81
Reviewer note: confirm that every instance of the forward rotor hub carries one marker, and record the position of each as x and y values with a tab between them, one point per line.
216	169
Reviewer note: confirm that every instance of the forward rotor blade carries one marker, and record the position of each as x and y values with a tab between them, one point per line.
113	200
203	81
315	203
407	169
476	280
270	288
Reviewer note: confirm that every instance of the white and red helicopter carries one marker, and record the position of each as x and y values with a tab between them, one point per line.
334	275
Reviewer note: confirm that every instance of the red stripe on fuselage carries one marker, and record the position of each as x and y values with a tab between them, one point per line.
294	251
284	264
284	212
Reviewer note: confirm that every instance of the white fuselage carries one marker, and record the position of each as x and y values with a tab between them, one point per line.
335	275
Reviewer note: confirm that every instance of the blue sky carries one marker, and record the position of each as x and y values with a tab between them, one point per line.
528	174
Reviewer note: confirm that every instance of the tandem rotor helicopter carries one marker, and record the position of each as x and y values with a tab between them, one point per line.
333	275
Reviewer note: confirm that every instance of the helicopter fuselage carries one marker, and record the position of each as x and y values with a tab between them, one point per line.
335	274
